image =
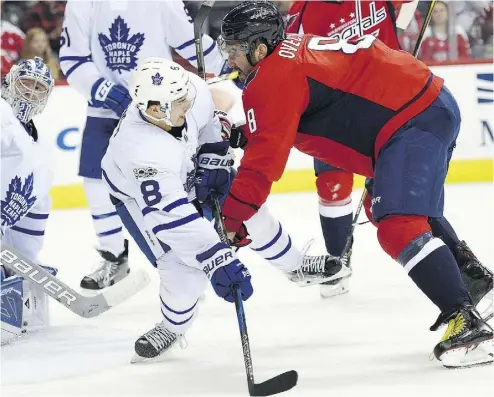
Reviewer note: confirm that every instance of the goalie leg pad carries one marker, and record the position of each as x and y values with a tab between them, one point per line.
11	307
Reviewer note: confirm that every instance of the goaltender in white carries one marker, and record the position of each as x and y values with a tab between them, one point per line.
26	178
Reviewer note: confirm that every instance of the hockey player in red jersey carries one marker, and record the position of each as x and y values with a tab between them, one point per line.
350	20
342	20
369	110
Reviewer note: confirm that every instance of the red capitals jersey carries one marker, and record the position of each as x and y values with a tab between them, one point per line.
348	19
337	101
12	41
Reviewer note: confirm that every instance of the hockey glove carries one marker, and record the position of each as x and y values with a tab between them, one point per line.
226	124
111	96
225	271
235	212
237	137
213	175
230	132
241	238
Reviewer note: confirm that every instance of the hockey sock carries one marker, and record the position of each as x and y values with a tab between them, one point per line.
336	222
430	264
271	241
438	277
334	188
107	223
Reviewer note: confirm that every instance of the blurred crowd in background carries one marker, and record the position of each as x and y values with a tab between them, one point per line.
458	31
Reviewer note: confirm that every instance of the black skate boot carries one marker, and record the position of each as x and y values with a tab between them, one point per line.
467	341
316	269
339	286
112	270
153	343
478	279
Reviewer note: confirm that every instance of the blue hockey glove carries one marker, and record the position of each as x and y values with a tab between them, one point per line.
111	96
225	271
213	175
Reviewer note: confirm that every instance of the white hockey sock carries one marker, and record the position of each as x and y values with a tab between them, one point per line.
180	289
271	241
107	223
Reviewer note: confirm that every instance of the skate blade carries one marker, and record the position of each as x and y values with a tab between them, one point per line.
469	356
136	359
330	290
344	272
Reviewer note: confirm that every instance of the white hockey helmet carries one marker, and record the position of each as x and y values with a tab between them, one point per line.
27	87
159	80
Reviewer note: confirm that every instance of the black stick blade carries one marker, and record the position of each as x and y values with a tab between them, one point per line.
278	384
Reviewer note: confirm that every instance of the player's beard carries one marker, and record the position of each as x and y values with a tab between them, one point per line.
242	76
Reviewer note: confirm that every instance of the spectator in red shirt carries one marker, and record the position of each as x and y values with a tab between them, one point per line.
12	41
436	43
47	15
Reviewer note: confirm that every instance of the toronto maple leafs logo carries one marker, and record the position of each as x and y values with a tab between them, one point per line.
18	200
120	49
157	79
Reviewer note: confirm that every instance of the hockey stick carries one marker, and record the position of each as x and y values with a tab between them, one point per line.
346	250
287	380
202	15
83	306
279	383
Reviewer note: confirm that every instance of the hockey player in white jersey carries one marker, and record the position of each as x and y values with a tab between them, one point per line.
102	42
27	176
166	135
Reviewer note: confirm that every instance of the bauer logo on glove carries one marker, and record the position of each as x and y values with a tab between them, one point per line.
216	262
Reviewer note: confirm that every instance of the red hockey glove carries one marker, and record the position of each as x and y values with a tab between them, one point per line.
241	238
235	212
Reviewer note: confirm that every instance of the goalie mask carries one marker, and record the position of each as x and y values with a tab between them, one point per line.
158	81
27	87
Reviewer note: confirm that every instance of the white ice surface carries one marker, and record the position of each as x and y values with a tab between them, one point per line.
373	341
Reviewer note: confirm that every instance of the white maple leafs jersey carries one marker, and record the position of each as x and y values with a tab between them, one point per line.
152	172
109	38
27	176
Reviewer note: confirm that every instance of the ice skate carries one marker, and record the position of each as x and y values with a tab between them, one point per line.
317	269
154	343
339	286
478	280
112	270
467	341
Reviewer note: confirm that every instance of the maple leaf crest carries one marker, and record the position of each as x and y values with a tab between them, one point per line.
18	200
120	49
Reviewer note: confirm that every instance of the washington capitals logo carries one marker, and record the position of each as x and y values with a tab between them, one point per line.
120	49
157	79
18	200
